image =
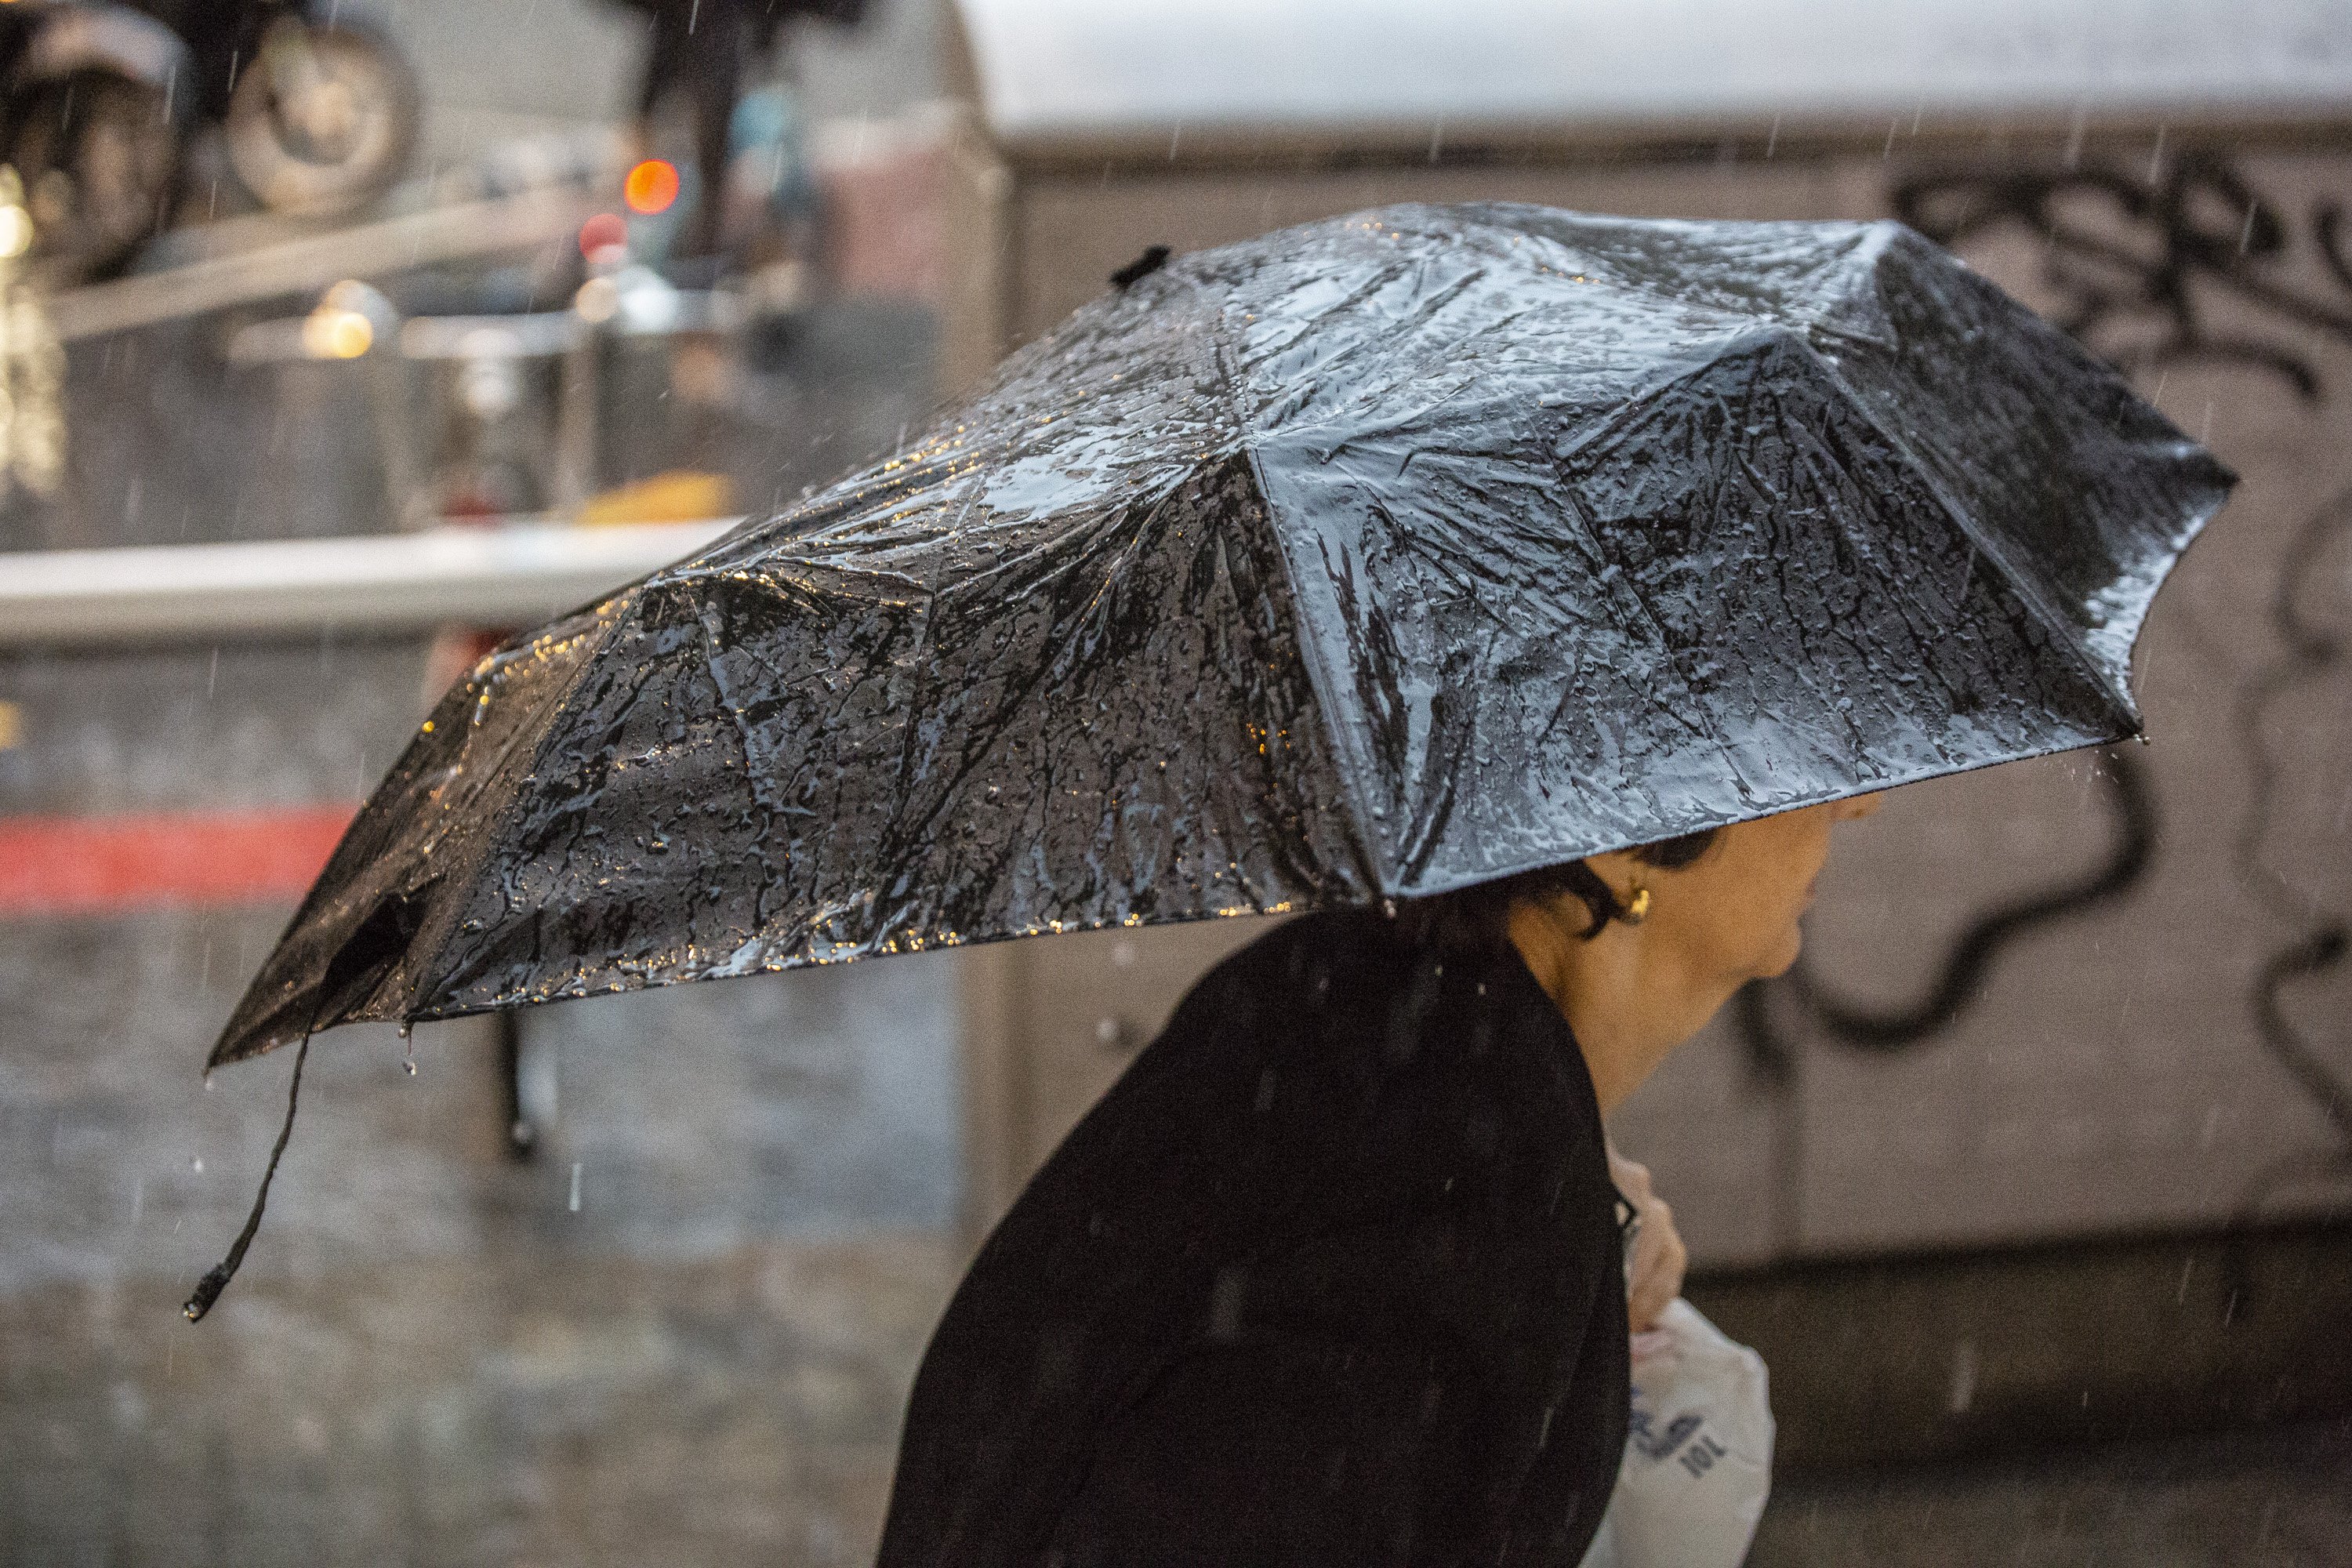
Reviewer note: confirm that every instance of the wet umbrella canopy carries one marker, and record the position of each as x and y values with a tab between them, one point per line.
1362	560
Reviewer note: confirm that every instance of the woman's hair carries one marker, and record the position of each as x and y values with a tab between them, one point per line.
1477	919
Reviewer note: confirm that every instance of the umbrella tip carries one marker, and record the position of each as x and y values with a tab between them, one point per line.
208	1290
1142	266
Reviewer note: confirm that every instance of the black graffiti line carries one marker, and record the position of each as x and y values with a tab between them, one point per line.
2104	280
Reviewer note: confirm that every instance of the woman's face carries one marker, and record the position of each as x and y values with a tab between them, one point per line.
1732	914
1632	993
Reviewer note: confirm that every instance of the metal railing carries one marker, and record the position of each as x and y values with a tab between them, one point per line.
513	575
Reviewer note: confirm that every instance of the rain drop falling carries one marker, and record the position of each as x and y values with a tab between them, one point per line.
1961	1390
575	1186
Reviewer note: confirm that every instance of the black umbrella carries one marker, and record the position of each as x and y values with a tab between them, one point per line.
1365	560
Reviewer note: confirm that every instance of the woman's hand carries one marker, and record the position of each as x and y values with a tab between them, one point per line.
1656	1275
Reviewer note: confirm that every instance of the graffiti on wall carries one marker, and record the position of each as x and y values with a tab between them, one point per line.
2185	264
2190	267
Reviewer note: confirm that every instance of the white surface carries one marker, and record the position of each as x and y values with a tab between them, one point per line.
1699	1458
1067	67
482	577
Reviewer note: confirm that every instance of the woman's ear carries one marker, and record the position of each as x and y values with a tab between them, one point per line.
1623	872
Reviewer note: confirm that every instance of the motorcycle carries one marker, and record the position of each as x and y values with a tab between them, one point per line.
317	116
92	125
318	112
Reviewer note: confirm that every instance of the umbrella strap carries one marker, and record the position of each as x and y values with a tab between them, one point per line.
209	1288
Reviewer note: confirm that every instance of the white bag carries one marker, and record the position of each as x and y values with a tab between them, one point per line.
1698	1452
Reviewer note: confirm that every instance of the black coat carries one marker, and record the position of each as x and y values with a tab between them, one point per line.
1331	1275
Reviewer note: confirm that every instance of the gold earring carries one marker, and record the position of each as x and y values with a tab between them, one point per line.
1637	907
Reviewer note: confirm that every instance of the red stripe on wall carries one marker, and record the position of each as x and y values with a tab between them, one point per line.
112	865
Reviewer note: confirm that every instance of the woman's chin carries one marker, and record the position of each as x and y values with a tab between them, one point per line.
1785	960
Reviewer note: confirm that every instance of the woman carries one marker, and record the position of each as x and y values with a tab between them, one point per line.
1334	1274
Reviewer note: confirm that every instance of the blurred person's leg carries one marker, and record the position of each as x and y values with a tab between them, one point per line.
698	47
718	55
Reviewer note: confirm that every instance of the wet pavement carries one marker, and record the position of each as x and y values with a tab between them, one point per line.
681	1333
594	1409
2273	1499
513	1409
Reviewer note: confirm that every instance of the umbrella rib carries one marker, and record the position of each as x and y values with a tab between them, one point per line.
1371	848
2031	591
830	561
1323	683
1023	692
1825	472
708	641
497	761
1658	704
523	735
1815	457
416	855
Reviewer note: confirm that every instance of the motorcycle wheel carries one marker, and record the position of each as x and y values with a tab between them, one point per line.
323	122
99	159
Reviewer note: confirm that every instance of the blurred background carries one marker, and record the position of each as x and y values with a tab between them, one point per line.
339	341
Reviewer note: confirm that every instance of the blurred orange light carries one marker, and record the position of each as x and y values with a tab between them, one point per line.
651	186
603	236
